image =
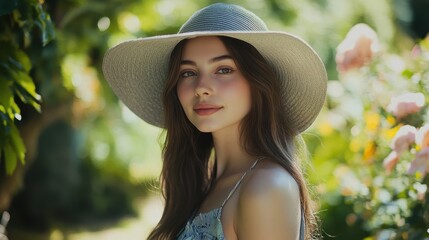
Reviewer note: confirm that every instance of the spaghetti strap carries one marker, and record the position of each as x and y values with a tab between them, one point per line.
302	226
238	183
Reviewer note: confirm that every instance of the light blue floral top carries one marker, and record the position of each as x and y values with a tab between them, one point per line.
208	226
204	226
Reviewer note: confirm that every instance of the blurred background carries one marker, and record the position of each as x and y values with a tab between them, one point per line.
76	164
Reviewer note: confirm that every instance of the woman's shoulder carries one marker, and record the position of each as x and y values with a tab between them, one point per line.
269	177
268	204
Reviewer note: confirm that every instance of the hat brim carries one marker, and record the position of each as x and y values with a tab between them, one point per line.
136	70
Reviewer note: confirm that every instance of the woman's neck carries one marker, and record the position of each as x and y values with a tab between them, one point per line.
231	157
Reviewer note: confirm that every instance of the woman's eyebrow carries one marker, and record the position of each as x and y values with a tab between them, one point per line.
215	59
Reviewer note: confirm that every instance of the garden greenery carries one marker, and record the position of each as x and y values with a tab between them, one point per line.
21	23
378	117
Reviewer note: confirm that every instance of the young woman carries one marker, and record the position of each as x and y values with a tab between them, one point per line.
233	98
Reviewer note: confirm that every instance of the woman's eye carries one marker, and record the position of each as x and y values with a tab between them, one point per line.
225	70
186	74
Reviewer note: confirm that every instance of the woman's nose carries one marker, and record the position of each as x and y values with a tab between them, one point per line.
204	86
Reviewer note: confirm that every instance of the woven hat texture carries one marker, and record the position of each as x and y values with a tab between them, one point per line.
137	69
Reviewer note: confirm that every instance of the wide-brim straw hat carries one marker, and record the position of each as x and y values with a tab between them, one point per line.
137	69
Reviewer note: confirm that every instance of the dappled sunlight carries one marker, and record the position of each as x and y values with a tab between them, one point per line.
131	228
103	23
129	22
90	167
149	213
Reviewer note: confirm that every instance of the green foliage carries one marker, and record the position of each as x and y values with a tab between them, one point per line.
61	188
111	192
105	149
52	181
18	21
70	181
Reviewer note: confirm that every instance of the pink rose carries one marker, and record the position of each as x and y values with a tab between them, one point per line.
358	48
422	136
406	104
420	163
403	139
390	161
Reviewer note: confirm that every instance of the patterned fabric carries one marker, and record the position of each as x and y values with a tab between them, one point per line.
204	226
208	226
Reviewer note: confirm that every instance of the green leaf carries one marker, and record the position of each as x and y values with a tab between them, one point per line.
7	114
14	109
13	148
23	59
25	89
25	81
17	143
10	158
28	98
20	19
6	94
3	116
45	24
407	73
3	129
5	120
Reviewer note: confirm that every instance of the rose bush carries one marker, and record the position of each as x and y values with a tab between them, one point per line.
379	149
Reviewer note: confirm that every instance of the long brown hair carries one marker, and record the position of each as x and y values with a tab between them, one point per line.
265	131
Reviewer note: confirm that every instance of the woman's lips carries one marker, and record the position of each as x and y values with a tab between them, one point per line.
206	109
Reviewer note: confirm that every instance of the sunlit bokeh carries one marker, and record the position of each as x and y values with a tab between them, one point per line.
129	22
92	166
103	24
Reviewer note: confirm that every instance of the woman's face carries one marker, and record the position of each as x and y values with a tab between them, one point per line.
212	91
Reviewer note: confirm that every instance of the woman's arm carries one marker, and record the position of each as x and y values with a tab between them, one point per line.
269	206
